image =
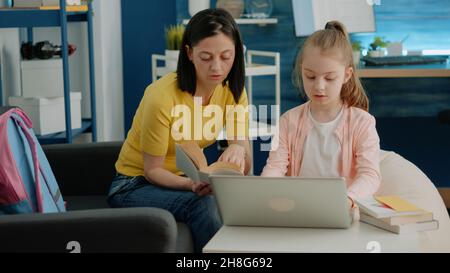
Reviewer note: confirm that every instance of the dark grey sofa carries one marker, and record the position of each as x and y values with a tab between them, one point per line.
84	173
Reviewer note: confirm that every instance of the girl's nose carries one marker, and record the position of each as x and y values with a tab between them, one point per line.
319	84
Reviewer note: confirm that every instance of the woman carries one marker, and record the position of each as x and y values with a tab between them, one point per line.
210	70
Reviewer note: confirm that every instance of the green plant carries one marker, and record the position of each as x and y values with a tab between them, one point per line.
174	36
356	46
378	43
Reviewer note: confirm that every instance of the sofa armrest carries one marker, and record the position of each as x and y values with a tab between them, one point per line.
105	230
83	169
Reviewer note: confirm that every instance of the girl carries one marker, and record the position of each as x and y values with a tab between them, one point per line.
210	67
331	135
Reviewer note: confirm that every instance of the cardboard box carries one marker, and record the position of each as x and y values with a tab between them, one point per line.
27	3
42	78
48	114
50	2
38	3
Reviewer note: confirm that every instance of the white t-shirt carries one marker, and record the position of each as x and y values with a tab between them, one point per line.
322	149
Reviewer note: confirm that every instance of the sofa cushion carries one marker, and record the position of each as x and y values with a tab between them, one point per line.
85	202
83	168
185	243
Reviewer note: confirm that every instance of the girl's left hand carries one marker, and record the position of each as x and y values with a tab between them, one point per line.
234	154
354	210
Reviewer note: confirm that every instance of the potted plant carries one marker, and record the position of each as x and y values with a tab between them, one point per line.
356	47
174	36
377	47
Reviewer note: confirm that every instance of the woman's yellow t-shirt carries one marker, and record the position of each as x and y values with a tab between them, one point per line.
166	115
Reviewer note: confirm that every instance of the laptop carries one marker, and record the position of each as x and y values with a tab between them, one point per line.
282	201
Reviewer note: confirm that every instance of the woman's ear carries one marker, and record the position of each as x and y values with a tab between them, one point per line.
348	74
189	52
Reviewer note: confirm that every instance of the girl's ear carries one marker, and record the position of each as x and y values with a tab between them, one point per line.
189	52
348	74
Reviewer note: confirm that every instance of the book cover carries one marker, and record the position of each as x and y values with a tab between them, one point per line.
371	206
69	8
396	203
407	219
399	229
192	162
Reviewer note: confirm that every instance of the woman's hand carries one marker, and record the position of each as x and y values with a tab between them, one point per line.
201	188
234	154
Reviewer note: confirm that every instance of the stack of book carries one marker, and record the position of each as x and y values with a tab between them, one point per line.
395	214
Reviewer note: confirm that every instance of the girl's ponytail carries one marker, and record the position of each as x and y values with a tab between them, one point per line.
337	26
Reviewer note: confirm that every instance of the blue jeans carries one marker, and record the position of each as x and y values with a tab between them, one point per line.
199	213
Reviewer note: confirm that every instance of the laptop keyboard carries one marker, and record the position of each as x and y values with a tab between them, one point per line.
403	60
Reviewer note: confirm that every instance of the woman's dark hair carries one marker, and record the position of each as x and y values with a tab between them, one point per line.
204	24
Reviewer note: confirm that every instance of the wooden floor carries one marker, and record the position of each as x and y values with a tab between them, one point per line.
445	193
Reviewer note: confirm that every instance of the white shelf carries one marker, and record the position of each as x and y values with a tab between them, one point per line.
255	130
250	70
250	21
260	69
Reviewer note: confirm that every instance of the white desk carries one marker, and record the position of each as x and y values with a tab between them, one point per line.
360	237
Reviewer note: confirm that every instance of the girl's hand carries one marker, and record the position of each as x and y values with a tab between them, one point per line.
351	203
234	154
354	210
201	188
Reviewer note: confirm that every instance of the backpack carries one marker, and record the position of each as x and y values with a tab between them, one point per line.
27	183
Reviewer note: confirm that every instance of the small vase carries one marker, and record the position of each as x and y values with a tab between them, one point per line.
356	57
197	5
377	53
234	7
172	59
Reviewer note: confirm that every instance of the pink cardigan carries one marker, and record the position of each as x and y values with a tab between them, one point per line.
360	147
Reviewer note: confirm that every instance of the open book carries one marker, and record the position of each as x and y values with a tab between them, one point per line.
192	162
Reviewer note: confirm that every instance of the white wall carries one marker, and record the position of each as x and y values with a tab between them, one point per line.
108	65
108	70
10	58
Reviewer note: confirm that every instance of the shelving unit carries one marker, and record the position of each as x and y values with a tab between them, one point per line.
441	70
30	18
256	129
249	21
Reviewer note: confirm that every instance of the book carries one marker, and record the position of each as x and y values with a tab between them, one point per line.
69	8
387	206
407	219
192	162
400	229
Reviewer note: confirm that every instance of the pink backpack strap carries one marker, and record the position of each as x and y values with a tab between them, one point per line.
16	192
25	129
24	117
